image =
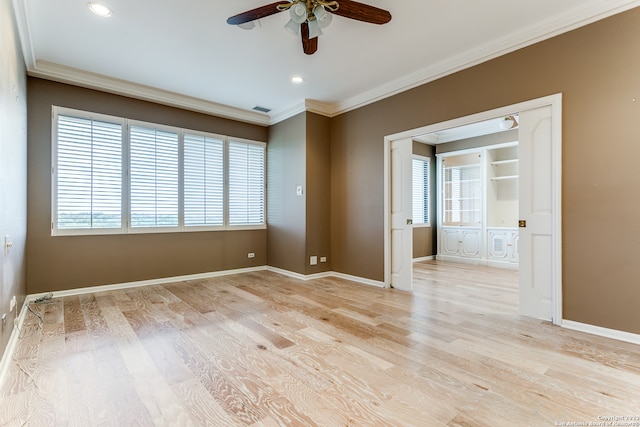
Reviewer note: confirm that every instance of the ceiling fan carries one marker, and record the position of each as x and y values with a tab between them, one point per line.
308	17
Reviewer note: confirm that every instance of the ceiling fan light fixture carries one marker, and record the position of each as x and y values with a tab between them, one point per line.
247	25
292	27
314	29
298	13
323	17
99	10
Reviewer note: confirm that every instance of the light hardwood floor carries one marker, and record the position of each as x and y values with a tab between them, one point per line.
263	349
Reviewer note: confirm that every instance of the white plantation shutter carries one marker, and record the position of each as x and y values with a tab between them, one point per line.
114	175
420	200
154	177
246	183
203	181
87	174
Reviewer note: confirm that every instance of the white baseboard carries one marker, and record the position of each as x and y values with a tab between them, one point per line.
358	279
198	276
424	258
295	275
7	356
461	260
150	282
602	332
299	276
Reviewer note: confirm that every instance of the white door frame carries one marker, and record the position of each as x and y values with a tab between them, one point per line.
555	101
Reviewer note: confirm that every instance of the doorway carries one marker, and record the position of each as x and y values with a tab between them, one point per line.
542	123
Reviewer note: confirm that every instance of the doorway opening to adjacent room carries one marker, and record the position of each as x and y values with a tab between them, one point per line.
539	148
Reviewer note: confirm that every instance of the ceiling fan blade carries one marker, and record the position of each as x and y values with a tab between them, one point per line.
310	46
362	12
257	13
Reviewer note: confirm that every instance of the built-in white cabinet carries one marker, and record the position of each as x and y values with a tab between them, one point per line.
461	242
478	206
502	247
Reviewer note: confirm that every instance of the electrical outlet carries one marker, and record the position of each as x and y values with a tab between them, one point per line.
12	304
251	255
313	260
323	259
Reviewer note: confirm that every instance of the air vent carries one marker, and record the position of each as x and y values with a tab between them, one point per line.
261	109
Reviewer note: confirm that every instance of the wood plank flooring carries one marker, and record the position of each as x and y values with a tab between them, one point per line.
262	349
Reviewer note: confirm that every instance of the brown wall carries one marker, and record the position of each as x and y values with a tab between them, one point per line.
318	196
66	262
299	226
424	238
13	169
286	212
596	68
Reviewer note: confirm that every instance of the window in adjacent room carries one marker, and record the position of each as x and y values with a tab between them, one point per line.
420	175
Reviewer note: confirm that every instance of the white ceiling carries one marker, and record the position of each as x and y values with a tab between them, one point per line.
184	53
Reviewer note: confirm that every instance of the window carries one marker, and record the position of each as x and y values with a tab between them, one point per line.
246	183
88	168
420	174
461	194
203	181
154	177
113	175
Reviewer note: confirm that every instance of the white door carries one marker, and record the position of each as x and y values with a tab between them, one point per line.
536	213
401	214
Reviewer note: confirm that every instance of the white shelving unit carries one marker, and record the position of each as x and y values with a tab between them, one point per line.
478	206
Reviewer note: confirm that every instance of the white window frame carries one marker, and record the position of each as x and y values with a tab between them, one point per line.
427	160
54	180
126	178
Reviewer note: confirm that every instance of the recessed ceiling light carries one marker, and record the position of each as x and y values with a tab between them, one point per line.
297	80
100	10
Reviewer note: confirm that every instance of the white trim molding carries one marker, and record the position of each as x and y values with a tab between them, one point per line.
424	258
358	279
7	356
60	73
141	283
589	12
602	332
555	101
299	276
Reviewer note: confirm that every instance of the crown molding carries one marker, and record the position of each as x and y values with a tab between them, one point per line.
572	20
63	74
323	108
287	113
587	14
24	31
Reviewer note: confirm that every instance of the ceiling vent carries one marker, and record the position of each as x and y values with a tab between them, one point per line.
261	109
